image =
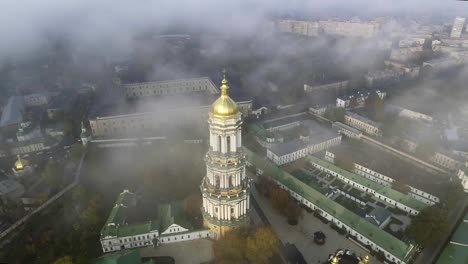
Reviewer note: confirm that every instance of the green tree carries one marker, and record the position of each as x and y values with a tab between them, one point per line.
344	161
64	260
192	205
452	193
375	105
293	212
426	150
335	114
353	103
401	187
261	246
429	225
76	150
231	248
53	174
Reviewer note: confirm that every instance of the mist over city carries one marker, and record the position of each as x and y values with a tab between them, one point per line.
250	131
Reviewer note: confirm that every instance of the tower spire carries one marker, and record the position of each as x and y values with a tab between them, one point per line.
224	84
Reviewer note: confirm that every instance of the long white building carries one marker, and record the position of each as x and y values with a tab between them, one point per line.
117	234
153	107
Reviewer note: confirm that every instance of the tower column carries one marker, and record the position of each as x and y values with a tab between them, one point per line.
223	144
233	143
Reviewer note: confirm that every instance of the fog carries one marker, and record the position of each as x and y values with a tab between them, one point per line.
109	26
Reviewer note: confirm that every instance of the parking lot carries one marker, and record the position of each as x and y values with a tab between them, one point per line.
302	234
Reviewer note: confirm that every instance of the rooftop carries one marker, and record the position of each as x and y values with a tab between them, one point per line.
114	103
455	251
380	214
281	149
116	224
284	120
384	163
381	238
383	190
11	114
363	119
172	214
317	134
124	257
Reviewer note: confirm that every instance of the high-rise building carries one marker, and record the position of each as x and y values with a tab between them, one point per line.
457	27
225	188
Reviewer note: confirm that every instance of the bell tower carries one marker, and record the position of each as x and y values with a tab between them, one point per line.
225	187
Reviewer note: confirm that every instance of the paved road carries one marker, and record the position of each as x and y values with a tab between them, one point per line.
301	234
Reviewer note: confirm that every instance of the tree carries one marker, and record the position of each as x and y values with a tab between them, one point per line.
261	246
192	205
374	104
353	103
293	212
279	198
344	161
231	247
335	114
76	151
429	225
64	260
52	174
453	193
425	150
401	187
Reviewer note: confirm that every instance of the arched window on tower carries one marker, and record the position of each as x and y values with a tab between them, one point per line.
228	144
217	181
219	144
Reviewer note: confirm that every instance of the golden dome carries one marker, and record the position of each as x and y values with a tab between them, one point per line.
334	260
365	260
224	106
19	164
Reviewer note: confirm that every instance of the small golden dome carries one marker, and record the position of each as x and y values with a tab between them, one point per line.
19	164
334	260
224	106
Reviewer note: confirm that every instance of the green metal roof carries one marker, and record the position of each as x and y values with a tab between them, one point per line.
461	234
381	189
137	229
117	215
172	214
257	130
383	239
456	250
116	225
453	254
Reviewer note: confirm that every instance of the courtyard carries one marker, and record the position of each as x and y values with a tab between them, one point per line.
302	234
187	252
